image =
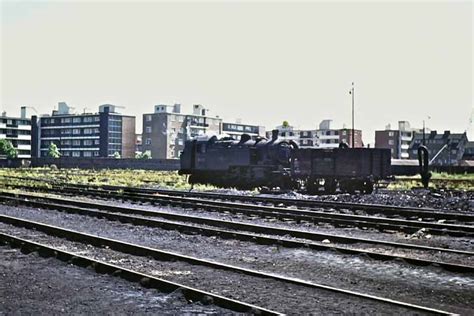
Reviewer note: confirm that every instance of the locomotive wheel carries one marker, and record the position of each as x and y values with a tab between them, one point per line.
330	186
368	187
312	186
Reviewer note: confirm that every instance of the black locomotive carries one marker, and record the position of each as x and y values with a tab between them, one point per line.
277	163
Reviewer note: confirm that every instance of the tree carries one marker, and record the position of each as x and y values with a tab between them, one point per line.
117	155
143	155
285	124
53	151
7	149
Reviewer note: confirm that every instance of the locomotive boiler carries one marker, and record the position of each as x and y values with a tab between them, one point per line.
243	164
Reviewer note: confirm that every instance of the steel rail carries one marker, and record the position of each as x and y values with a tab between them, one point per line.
158	254
404	211
258	238
282	213
144	279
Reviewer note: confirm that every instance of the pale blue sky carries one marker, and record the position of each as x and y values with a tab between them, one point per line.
261	62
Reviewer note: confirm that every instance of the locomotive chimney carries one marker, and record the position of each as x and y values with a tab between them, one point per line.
274	134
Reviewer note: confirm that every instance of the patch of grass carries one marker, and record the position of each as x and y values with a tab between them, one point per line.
122	177
438	180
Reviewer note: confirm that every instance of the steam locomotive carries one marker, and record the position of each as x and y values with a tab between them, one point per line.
276	163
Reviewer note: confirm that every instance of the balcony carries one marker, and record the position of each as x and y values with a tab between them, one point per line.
24	127
25	137
24	147
198	125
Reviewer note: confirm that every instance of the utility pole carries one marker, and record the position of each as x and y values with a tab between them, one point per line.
423	132
351	92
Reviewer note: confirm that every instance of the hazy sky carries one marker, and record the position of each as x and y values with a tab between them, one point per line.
262	62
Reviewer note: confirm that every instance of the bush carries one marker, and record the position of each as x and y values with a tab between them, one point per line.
144	155
7	149
53	151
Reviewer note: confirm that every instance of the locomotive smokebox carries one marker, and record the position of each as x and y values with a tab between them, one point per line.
274	134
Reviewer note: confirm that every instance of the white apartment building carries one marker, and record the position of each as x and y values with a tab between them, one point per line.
18	131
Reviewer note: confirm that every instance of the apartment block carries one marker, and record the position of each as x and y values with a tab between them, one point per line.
18	131
443	149
397	140
324	137
166	130
331	138
101	134
235	130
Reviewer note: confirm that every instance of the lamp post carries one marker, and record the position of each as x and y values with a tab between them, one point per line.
351	92
428	117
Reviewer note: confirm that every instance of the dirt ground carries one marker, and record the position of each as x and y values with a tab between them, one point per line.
31	285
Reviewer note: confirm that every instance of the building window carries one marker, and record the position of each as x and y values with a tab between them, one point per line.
87	130
148	141
96	142
76	131
180	118
76	154
76	120
180	142
148	118
76	142
148	129
96	154
390	134
88	154
97	119
390	141
88	142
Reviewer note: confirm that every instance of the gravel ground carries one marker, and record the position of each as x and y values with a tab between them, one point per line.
275	295
432	286
458	201
31	285
419	238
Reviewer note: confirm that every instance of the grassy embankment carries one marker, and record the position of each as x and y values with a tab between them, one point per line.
438	180
172	180
130	178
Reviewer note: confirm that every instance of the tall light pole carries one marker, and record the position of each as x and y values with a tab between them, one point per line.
428	117
424	133
351	92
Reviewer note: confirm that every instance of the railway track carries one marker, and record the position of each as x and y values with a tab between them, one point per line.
281	213
156	254
386	210
149	281
247	232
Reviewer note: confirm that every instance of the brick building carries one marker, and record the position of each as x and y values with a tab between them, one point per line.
444	149
166	130
397	140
